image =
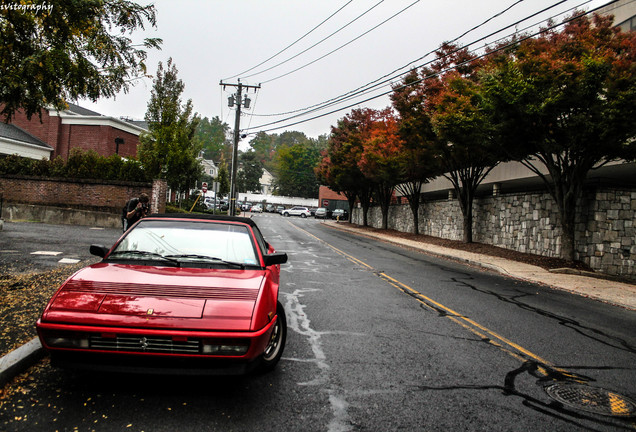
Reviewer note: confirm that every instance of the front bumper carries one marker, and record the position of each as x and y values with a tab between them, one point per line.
153	350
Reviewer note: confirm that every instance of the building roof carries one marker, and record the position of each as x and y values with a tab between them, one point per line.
139	123
13	132
76	109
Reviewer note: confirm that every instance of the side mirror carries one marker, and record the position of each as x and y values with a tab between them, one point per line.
98	250
275	258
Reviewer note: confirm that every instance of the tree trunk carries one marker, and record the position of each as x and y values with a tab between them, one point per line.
365	215
468	224
351	199
384	193
466	204
567	211
415	208
365	200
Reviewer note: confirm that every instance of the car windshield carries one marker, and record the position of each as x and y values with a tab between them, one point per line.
188	241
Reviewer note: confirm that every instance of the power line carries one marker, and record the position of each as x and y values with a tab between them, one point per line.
367	88
292	44
434	74
320	41
327	102
344	45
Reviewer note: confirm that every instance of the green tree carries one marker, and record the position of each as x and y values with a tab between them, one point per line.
564	102
70	50
295	174
213	135
223	177
169	150
250	173
267	146
264	147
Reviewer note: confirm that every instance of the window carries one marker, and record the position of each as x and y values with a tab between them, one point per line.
224	241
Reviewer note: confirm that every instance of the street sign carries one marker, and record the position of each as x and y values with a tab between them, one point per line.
204	187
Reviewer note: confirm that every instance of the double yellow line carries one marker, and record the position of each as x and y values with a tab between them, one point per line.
618	405
506	345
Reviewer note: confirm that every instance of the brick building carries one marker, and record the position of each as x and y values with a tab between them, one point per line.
332	200
57	132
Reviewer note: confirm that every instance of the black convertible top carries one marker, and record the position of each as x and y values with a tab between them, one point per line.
203	216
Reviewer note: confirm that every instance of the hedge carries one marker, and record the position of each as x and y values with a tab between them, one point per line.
80	165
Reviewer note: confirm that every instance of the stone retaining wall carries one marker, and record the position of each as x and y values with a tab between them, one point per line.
529	222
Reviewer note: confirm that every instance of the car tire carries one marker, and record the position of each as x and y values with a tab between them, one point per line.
285	214
274	350
303	215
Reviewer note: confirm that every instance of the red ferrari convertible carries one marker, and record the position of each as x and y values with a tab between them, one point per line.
184	294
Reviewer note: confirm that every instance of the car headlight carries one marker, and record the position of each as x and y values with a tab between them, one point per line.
228	348
67	341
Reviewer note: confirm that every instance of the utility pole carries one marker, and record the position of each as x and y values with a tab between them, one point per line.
237	123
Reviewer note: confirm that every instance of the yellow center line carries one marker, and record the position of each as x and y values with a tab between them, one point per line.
506	345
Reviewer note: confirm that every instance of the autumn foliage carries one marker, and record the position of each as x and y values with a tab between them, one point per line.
561	101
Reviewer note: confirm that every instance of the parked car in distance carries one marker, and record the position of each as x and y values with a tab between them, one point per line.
303	212
246	206
212	203
280	209
270	208
177	293
312	210
340	214
258	208
322	213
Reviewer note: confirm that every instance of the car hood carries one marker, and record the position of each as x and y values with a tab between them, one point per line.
131	295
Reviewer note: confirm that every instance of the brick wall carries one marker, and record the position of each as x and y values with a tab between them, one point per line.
80	194
47	129
529	222
334	199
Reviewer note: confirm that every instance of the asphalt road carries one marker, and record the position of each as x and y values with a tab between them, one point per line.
380	339
35	247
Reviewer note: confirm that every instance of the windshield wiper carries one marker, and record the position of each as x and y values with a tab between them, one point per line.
208	258
146	254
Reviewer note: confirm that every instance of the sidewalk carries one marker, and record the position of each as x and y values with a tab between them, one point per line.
588	285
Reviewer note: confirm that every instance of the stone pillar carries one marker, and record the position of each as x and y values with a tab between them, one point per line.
158	197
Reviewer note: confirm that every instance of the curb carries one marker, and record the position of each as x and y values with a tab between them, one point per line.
19	360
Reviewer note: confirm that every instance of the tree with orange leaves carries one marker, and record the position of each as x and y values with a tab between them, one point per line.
381	160
339	166
441	109
564	101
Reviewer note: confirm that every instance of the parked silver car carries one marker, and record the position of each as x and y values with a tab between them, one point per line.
322	213
303	212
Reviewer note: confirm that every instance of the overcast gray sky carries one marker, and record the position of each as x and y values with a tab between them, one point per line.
214	40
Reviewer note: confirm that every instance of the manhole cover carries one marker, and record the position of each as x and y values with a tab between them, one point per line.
592	399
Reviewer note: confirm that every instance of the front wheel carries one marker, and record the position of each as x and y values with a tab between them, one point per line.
285	214
274	350
303	215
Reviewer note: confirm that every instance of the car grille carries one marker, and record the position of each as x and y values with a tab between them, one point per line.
152	344
217	293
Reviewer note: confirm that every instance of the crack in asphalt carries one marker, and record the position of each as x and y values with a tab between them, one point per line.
299	322
585	331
